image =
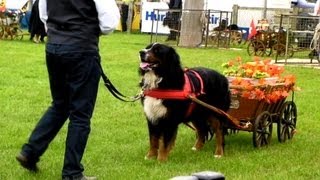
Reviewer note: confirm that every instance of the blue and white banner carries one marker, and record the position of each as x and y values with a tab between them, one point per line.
148	15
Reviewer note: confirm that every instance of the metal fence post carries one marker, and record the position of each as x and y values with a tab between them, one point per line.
235	9
265	10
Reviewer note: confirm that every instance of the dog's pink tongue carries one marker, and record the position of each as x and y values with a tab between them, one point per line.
144	65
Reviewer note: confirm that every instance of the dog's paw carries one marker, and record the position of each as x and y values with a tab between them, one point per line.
148	157
162	159
194	149
218	156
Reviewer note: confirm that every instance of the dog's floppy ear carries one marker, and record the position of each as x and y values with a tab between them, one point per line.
174	65
173	56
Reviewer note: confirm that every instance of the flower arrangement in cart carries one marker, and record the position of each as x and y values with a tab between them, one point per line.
249	79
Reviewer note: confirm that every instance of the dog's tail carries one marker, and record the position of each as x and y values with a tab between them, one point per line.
209	131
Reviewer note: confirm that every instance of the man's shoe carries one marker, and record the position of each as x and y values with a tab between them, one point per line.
89	178
26	163
81	178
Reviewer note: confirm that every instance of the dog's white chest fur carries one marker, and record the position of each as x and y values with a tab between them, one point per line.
153	107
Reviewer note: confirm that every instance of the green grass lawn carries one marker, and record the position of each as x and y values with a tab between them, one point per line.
119	141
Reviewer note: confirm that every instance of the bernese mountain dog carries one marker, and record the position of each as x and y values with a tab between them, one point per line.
166	87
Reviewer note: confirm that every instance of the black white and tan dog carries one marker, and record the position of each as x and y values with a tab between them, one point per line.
166	87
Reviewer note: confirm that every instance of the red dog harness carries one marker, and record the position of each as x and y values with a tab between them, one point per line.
188	90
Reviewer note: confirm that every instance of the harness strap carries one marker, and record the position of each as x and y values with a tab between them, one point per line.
183	94
190	109
170	93
188	90
200	79
233	120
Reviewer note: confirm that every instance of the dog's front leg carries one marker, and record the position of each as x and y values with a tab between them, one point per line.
153	141
154	146
166	143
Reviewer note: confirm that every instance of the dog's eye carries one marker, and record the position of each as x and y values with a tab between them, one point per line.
156	50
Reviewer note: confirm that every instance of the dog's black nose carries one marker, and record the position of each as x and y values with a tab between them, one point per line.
142	53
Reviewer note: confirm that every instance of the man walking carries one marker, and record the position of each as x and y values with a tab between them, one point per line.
72	57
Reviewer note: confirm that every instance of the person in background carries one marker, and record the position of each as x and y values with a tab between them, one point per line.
72	60
222	25
124	14
316	11
172	19
303	3
36	26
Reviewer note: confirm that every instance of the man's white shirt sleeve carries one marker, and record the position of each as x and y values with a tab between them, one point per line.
108	14
43	12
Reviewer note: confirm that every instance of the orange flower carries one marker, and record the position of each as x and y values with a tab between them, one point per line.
252	78
256	58
246	94
239	59
237	81
267	61
289	79
230	63
261	81
259	94
284	94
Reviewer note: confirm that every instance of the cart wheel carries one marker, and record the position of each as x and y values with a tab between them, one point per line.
290	51
256	48
1	32
235	37
287	121
262	130
268	51
16	33
279	49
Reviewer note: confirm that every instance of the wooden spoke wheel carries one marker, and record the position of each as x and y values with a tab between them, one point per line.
268	51
290	51
1	32
256	48
18	33
235	37
223	40
262	130
286	125
280	50
213	37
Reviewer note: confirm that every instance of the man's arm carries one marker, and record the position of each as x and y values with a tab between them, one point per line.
108	14
43	12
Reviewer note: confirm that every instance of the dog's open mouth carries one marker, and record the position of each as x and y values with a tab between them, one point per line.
147	66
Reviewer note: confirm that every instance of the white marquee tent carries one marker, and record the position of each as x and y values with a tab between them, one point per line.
15	4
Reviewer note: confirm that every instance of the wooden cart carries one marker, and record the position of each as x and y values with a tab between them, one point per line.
258	116
9	25
269	43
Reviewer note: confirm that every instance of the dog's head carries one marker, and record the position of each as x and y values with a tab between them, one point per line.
160	67
158	56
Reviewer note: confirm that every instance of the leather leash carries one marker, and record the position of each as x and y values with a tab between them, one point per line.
113	90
